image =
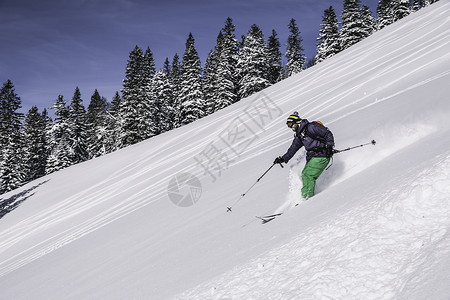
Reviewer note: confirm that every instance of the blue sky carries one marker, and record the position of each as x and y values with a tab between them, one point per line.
49	47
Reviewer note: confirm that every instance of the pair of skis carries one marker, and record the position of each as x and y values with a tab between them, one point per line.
268	218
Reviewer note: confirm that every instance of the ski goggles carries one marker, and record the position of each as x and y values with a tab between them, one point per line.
291	123
293	119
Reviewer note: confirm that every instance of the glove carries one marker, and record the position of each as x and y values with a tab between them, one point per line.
329	151
278	160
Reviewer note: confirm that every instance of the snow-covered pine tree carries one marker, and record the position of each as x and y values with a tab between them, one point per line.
97	119
96	109
35	148
167	93
78	129
225	93
164	94
253	64
175	80
115	104
150	125
48	128
369	23
12	168
329	39
148	66
385	12
134	111
210	77
10	118
191	95
167	69
352	24
228	59
402	8
220	68
154	106
112	124
11	147
294	51
417	4
58	138
275	66
156	109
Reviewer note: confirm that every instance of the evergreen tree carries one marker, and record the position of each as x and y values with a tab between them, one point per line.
148	67
59	141
78	129
228	60
402	8
210	76
253	64
220	80
134	112
352	27
11	147
156	112
10	118
97	120
96	108
112	124
209	81
48	129
164	92
12	168
175	81
242	42
167	69
191	95
417	4
294	52
153	109
225	92
329	38
385	12
35	148
115	104
369	23
275	67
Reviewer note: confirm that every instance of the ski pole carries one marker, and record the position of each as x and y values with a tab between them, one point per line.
373	142
229	209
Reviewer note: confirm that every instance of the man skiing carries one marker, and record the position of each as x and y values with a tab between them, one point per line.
318	142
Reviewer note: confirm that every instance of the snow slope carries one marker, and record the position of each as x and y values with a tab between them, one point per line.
378	227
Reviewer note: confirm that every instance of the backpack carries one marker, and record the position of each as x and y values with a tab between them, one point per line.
307	133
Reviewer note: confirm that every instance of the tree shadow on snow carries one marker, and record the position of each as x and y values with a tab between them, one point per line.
11	203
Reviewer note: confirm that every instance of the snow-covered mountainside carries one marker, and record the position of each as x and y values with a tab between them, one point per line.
151	222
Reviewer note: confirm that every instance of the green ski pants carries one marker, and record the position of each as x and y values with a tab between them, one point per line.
312	170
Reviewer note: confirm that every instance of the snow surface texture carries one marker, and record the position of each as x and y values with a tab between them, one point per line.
378	227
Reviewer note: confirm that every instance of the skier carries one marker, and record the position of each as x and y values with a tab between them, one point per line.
318	142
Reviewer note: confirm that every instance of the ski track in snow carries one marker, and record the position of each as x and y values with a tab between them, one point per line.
387	239
152	187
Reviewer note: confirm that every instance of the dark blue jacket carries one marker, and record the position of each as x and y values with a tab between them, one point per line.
314	137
